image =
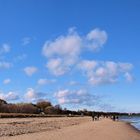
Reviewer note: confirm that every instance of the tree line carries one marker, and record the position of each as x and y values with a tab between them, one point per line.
40	107
46	107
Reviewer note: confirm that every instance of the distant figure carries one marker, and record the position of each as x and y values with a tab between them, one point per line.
70	115
117	118
98	116
93	116
82	115
114	118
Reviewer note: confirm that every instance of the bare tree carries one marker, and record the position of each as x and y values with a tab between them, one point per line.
42	105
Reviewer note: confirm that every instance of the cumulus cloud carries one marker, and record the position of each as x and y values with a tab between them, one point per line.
20	57
104	72
64	52
62	93
67	46
30	70
82	97
88	65
72	83
5	65
5	48
129	77
44	81
6	81
95	39
33	95
26	41
58	66
10	96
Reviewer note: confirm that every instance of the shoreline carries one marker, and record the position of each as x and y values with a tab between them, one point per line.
82	129
133	127
130	125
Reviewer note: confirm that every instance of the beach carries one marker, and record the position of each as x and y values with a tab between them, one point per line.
66	128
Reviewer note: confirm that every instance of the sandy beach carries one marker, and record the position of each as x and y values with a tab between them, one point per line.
75	128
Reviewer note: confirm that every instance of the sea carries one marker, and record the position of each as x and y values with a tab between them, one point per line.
133	120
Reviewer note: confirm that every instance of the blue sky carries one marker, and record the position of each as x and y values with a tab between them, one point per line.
77	53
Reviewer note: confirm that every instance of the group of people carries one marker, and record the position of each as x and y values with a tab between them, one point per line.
95	117
115	118
98	116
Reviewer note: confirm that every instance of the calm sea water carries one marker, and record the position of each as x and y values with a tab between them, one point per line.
134	120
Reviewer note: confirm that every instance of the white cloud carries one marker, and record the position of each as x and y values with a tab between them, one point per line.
104	72
58	66
66	46
33	95
5	48
7	81
79	97
44	81
64	52
95	39
30	70
20	57
62	93
5	65
26	41
87	65
67	97
10	96
68	101
129	77
72	83
125	66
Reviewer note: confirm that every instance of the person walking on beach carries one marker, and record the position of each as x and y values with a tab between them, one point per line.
114	118
93	116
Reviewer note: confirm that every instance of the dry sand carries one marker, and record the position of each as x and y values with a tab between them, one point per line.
80	128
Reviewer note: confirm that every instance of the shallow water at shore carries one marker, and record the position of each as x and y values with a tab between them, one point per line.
133	120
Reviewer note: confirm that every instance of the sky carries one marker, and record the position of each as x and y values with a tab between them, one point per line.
76	53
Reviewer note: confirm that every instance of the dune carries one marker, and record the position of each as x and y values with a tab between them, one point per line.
80	128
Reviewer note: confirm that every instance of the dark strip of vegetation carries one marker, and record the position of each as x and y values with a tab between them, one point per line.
45	109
